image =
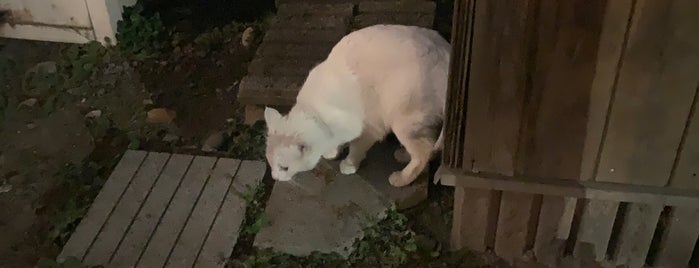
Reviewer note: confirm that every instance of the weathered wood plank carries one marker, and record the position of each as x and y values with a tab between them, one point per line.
608	60
118	223
657	82
568	38
177	213
680	237
147	219
636	235
102	206
686	175
191	239
416	6
497	85
568	188
414	19
553	230
596	225
475	218
515	228
222	238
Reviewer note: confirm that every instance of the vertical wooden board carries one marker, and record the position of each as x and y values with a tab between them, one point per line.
496	85
219	245
595	229
568	38
611	45
553	230
190	241
686	175
104	15
172	222
147	219
118	223
515	226
679	239
636	235
657	82
475	218
103	205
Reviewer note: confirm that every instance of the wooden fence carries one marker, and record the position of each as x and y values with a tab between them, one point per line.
572	130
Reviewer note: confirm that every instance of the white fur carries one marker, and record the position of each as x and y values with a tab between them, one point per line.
376	80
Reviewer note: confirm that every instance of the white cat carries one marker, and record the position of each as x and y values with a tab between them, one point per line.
375	80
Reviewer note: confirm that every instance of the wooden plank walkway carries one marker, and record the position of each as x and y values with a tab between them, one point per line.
301	36
166	210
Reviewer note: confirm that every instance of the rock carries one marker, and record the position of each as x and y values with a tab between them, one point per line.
28	102
212	142
247	37
5	188
320	212
161	116
170	137
93	114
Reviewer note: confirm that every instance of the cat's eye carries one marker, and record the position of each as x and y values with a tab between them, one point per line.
284	168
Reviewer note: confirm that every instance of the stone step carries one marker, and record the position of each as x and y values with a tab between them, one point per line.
311	22
308	51
390	7
266	90
306	36
292	8
415	19
274	67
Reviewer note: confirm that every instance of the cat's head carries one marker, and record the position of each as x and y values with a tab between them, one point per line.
286	153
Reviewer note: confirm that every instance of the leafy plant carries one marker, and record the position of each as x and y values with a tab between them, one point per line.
140	35
245	141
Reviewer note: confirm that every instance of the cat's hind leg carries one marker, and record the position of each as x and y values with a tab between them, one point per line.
418	140
357	152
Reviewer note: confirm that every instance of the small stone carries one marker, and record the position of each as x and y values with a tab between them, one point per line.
28	102
147	102
161	115
94	114
247	37
170	138
31	126
5	188
212	142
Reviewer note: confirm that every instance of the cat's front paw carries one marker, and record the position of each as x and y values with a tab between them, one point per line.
347	168
396	179
331	155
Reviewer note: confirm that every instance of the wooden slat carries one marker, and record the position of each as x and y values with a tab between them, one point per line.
611	43
475	218
457	90
568	188
636	235
172	222
686	175
147	219
553	230
224	232
103	205
190	241
657	82
496	85
515	226
118	223
568	38
680	237
596	225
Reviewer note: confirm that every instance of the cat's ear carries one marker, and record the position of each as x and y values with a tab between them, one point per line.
272	118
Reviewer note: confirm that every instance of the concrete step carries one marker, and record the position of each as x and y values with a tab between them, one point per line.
390	7
276	67
300	51
266	90
414	19
310	22
290	8
306	36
